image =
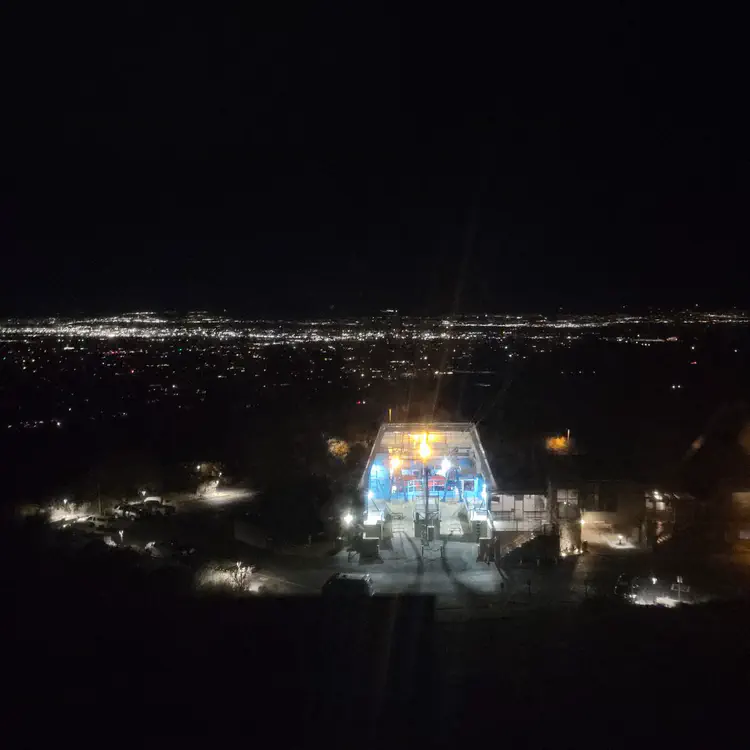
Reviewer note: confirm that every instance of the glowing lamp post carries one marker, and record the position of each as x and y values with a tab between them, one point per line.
346	521
424	450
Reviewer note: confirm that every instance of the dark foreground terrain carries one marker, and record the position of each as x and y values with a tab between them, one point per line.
108	651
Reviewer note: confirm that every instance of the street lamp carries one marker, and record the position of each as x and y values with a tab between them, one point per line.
347	519
424	454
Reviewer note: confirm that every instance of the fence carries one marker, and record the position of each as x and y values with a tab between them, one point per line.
507	520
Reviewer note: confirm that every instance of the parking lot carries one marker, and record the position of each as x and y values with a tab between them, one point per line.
181	529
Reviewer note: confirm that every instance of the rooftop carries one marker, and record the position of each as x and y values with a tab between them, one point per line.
428	442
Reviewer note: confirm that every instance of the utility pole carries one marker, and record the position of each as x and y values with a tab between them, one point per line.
426	503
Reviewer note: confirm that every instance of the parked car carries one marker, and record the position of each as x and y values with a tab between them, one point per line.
170	549
348	585
82	523
161	549
155	506
128	510
102	522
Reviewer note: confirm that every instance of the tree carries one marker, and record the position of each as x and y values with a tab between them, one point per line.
240	576
338	449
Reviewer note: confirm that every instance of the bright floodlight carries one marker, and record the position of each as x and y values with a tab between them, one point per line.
424	450
395	462
370	494
446	466
347	519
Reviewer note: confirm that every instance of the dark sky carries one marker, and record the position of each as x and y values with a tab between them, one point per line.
345	156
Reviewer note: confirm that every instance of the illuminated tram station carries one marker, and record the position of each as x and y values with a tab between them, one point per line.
434	473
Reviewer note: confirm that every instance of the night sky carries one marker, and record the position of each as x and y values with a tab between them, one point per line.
348	159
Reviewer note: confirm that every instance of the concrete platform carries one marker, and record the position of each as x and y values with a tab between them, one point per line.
403	569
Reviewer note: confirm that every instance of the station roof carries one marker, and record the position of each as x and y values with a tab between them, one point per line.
403	437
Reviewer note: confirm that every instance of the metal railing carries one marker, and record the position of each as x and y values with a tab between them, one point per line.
530	521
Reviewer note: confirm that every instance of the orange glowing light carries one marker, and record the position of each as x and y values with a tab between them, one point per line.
558	444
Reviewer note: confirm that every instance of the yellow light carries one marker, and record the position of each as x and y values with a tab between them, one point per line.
395	462
423	436
558	444
424	450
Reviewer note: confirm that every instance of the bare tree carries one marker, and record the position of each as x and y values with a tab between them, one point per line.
240	576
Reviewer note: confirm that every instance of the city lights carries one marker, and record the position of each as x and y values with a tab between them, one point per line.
152	350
